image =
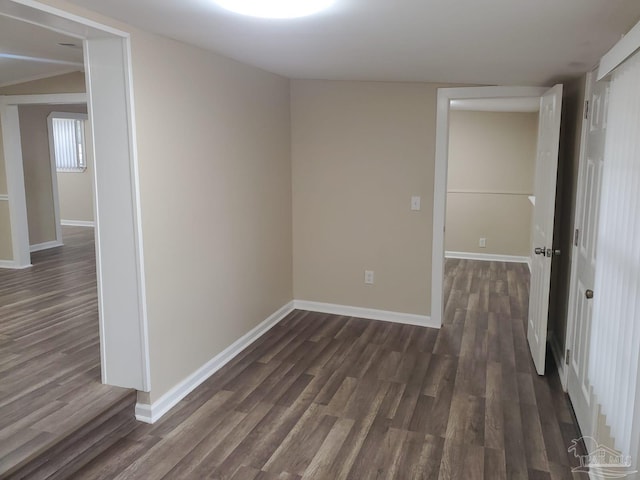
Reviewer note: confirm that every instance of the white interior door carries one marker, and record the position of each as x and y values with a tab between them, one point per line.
542	228
584	259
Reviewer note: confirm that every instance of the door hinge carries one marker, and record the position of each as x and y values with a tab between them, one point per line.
586	109
567	356
576	237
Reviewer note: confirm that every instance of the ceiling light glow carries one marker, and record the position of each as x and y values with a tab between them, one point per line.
275	8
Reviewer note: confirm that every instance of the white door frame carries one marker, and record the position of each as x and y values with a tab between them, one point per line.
15	186
445	96
13	158
124	345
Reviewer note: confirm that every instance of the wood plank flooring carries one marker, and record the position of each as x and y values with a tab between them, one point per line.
329	397
49	350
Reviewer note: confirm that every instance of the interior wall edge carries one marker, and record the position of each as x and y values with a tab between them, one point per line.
151	413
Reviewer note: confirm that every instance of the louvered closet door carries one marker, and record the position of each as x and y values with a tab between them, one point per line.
615	338
581	307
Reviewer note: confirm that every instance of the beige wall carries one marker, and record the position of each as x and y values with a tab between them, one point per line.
3	173
215	184
37	169
75	189
6	250
490	175
68	83
504	220
360	151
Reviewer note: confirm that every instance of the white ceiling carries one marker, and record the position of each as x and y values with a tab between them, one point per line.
28	52
528	42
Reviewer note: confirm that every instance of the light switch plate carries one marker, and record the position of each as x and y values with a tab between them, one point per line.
415	203
368	277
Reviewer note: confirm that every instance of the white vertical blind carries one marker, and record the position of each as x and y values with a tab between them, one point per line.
68	142
615	335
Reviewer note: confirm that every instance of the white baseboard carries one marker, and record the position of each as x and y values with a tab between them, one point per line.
45	246
487	257
77	223
369	313
11	264
151	413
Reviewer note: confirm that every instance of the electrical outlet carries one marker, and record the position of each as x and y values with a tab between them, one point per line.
482	243
368	277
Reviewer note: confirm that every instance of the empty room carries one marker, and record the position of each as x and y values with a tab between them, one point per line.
319	239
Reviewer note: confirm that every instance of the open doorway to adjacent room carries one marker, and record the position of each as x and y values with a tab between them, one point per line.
72	316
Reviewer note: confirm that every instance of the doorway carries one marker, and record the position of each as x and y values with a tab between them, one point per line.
445	97
543	215
56	194
491	165
122	308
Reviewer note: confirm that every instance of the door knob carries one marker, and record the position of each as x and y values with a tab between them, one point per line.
588	294
540	251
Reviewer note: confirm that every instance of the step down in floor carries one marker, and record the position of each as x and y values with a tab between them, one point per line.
87	434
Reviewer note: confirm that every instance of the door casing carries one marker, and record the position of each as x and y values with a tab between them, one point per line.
445	96
124	344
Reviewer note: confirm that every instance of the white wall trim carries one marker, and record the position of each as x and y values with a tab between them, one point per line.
137	214
151	413
622	50
368	313
487	257
445	96
119	243
15	183
45	99
12	265
78	223
45	245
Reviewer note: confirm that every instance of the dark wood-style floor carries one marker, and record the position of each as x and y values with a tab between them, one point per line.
329	397
49	349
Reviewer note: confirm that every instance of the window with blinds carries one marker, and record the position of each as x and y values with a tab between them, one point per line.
66	134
